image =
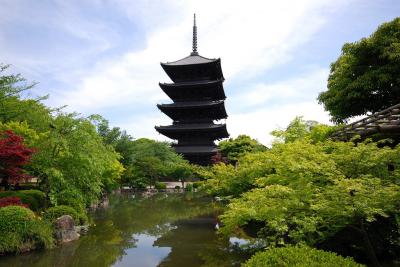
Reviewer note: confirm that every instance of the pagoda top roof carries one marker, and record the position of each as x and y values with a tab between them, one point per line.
192	59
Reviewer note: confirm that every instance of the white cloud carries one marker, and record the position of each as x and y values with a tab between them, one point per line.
259	124
249	37
295	89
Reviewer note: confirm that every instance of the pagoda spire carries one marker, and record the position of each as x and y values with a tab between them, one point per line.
194	45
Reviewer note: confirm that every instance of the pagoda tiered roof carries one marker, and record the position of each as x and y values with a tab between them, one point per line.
194	90
196	149
199	110
195	71
209	131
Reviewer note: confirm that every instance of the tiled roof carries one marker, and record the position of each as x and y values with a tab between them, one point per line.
190	60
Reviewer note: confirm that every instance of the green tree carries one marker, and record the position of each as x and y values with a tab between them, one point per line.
234	148
365	78
299	129
306	193
180	171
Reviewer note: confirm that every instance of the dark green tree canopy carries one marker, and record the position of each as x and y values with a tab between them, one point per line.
233	149
366	76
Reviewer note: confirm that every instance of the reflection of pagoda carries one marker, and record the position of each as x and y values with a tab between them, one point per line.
198	99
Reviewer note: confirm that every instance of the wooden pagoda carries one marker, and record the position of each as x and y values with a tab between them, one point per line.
198	100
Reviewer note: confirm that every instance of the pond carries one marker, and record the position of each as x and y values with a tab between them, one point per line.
145	231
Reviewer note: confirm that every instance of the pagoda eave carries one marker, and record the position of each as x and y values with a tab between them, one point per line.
205	110
207	131
203	150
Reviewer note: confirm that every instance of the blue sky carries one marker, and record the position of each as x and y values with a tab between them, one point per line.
102	57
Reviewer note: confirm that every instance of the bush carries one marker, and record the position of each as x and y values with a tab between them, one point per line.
189	187
38	195
26	199
34	198
299	256
21	230
72	198
196	185
177	187
53	213
159	185
11	201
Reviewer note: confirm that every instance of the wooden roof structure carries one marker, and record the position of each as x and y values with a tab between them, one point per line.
385	122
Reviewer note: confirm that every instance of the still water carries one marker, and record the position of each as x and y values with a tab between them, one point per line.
160	230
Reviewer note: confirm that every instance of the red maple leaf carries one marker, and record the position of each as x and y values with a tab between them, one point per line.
13	156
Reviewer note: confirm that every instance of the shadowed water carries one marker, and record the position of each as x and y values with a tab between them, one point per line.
161	230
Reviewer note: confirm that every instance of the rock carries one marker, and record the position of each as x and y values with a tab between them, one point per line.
82	229
65	229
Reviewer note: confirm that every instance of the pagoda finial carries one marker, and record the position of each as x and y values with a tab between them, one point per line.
194	46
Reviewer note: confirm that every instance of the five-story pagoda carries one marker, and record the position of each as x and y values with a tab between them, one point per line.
198	100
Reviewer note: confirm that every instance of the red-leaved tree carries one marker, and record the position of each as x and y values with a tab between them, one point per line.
12	201
218	158
13	156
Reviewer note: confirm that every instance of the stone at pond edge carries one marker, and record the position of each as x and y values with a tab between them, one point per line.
65	229
82	229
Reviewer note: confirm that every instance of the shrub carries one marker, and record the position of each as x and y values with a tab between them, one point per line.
34	198
299	256
177	187
159	185
53	213
72	198
189	187
38	195
21	230
11	201
196	185
26	199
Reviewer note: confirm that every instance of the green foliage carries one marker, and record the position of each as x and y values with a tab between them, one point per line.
303	192
298	256
39	196
21	230
74	152
365	78
146	160
308	192
189	187
159	185
71	197
197	185
179	171
299	129
233	149
34	198
53	213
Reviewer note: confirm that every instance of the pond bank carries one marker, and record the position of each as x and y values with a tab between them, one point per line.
136	230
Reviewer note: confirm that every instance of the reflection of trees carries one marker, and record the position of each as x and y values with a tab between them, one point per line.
194	243
116	226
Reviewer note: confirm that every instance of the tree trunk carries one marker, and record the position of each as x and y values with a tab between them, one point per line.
368	246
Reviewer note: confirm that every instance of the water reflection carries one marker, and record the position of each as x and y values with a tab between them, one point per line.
159	230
